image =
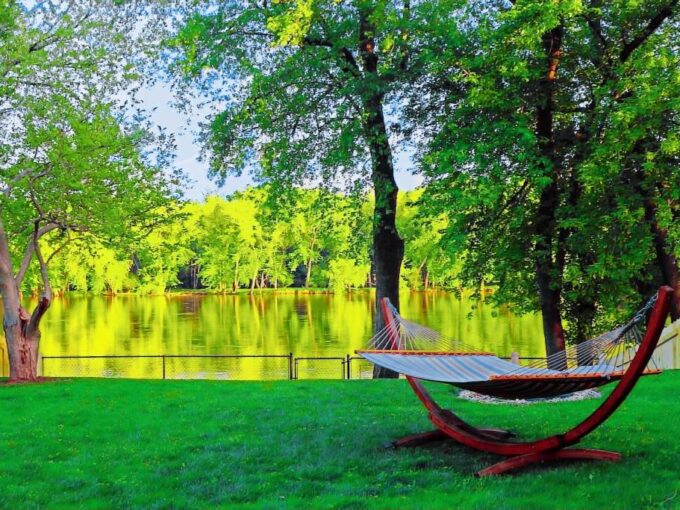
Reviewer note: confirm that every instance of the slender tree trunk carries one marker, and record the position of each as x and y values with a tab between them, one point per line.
253	280
194	275
388	247
424	275
234	283
308	272
547	279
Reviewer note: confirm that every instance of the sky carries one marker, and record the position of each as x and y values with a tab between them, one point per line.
158	99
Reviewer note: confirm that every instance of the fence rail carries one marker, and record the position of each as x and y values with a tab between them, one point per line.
170	366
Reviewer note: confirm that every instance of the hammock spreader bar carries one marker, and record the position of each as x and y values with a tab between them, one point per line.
551	448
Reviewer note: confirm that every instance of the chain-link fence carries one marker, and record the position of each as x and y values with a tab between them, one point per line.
320	368
243	367
4	363
228	366
359	368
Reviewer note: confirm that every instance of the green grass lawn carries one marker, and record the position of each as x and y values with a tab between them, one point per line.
201	444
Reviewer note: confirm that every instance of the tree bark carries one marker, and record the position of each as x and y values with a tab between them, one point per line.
668	265
547	279
388	247
253	280
21	329
665	260
308	272
23	347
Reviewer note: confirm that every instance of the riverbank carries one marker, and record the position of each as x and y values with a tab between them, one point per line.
198	444
283	291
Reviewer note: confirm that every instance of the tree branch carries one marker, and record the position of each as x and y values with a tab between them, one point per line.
45	300
345	53
59	249
651	27
403	64
28	252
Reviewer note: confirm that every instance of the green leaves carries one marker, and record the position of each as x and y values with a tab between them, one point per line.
71	161
614	128
293	25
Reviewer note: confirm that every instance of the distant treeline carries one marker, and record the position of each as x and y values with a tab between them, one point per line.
312	238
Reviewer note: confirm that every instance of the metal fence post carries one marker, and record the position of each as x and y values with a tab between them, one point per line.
290	366
349	367
163	360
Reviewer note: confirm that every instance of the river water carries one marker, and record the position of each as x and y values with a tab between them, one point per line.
307	325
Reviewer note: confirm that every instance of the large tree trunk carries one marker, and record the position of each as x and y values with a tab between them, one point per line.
21	329
22	351
667	263
665	260
388	252
547	277
388	247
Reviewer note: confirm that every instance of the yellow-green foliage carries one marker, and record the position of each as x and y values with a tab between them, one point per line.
320	238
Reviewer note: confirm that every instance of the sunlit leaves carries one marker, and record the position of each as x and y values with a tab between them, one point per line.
291	26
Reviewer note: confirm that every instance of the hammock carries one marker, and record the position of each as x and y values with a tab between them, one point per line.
414	350
621	356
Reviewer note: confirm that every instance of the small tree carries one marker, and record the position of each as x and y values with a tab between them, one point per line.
68	165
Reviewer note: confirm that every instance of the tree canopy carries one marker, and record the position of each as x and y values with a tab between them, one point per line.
557	159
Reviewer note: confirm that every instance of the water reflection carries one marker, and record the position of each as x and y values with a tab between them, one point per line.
308	325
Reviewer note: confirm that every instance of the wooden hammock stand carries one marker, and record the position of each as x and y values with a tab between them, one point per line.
556	447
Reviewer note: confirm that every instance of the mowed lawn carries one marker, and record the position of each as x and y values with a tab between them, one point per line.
317	444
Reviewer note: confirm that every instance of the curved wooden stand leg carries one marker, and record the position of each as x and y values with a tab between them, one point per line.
521	461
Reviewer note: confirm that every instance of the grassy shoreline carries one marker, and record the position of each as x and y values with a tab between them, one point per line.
179	292
203	444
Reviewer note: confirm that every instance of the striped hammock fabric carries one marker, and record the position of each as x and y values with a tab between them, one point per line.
464	368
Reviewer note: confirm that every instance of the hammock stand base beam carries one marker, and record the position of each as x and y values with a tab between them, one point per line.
523	453
522	461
